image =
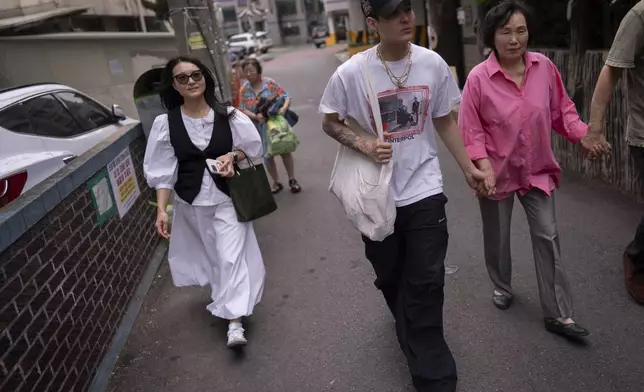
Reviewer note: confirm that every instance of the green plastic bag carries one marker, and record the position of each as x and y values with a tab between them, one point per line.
281	138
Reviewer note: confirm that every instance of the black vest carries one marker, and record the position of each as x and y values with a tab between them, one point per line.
192	160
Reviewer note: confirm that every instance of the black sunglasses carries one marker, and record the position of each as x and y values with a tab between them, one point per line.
185	78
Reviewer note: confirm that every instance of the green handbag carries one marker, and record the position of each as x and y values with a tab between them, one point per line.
251	193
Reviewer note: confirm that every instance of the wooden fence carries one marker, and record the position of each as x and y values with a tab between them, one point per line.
616	169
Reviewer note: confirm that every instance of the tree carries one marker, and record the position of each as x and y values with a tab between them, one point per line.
442	14
593	24
578	14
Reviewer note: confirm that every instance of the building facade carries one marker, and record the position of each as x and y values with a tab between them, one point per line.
230	10
470	20
14	8
29	17
287	22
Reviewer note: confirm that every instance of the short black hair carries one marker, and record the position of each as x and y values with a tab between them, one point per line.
498	16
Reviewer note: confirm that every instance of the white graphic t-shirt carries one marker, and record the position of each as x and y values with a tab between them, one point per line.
407	114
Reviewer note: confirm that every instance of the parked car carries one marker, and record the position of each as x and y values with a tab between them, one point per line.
235	53
244	41
319	36
264	41
43	127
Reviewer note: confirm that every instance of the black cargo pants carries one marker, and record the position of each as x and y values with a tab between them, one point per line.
410	272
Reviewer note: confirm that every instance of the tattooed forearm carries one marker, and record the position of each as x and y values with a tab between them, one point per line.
344	135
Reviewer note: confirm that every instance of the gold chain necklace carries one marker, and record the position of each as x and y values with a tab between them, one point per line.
398	81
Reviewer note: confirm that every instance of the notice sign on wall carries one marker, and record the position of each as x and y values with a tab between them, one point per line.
123	180
102	198
196	41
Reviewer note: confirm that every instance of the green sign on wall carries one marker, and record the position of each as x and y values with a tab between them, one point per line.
102	197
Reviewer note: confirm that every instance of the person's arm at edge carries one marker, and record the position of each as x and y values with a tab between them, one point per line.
627	44
608	78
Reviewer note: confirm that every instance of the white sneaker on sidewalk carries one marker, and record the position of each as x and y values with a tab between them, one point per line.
236	337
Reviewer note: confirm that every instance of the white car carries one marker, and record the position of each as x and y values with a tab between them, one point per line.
45	126
244	41
264	42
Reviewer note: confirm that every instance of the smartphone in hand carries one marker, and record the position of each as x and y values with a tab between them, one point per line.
214	166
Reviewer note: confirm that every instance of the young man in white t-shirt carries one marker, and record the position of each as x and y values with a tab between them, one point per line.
409	264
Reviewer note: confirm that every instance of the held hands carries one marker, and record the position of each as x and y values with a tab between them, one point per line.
594	144
482	182
481	178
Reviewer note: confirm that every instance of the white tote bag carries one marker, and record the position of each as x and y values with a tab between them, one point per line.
362	185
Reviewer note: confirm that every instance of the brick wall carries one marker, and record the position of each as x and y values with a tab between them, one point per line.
64	286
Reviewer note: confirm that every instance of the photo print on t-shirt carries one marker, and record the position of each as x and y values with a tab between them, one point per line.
404	112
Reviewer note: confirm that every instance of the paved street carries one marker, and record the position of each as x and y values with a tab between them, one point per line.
322	326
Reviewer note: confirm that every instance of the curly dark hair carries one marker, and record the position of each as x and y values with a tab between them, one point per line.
171	98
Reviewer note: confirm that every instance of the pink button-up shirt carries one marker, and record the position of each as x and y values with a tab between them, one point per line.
511	126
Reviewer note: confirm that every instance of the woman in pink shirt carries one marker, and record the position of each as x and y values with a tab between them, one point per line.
511	102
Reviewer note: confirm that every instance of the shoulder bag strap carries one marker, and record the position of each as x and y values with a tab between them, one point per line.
373	96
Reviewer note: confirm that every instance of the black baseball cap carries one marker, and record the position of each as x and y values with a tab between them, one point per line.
382	8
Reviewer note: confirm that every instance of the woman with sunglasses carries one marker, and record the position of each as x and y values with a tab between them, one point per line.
208	246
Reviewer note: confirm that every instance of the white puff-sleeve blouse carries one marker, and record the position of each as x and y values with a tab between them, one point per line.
160	163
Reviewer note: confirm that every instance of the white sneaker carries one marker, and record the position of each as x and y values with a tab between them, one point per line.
236	337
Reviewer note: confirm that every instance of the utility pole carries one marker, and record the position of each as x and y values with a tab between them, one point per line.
221	53
199	33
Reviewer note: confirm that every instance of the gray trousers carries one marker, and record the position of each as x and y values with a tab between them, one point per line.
554	288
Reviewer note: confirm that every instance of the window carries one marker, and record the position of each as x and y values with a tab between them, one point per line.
15	118
313	7
229	14
50	118
90	114
286	7
239	39
290	30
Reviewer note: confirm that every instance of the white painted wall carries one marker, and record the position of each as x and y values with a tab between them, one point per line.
337	5
103	65
10	8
